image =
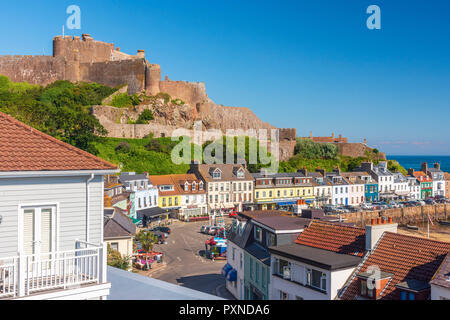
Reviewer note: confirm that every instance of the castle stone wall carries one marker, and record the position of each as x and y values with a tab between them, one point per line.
89	50
404	216
41	70
356	150
131	72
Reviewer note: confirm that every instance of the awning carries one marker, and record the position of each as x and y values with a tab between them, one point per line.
226	268
286	203
136	221
152	212
232	275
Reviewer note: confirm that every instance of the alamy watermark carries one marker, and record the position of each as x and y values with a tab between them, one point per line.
218	152
374	20
74	19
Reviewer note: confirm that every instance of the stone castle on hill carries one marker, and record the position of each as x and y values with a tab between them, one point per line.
85	59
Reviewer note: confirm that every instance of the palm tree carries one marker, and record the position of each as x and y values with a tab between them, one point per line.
147	239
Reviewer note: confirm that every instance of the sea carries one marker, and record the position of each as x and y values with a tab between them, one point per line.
415	162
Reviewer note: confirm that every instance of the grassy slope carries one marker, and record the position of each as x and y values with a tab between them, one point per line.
139	159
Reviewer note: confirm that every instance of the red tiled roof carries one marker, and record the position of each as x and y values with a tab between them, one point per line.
23	148
421	174
406	257
334	237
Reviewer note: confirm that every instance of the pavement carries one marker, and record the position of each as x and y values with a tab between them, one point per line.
184	264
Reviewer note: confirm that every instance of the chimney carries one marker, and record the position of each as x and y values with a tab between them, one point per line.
365	141
242	162
304	171
375	230
437	166
332	134
194	166
310	135
141	53
340	136
411	172
323	172
424	167
86	37
366	166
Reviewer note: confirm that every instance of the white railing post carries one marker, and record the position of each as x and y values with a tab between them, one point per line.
21	278
103	252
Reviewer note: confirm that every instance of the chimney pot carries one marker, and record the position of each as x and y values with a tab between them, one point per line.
378	220
390	219
373	222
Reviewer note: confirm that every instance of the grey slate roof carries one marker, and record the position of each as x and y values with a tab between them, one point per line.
129	176
324	259
283	223
259	252
118	226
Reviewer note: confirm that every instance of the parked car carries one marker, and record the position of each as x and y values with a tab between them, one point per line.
212	230
366	206
163	229
233	214
394	204
203	229
421	202
430	201
341	210
207	229
161	236
380	205
350	208
329	208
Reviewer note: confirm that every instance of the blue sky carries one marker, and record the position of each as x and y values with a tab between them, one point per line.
309	65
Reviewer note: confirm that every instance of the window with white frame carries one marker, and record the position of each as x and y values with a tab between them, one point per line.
316	279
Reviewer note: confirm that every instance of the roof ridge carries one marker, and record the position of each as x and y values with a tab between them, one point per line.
363	261
335	224
401	235
68	146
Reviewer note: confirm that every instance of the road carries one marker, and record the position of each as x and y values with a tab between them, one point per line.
184	264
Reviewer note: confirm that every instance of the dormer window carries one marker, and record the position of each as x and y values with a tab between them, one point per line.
217	174
240	173
200	185
194	186
186	186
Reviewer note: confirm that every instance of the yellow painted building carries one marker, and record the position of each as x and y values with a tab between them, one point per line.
282	189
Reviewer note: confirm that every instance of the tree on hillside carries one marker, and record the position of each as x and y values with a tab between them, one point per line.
62	109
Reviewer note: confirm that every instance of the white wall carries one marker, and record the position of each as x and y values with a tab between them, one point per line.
69	193
438	293
335	281
238	290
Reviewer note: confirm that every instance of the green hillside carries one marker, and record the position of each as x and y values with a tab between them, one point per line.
63	110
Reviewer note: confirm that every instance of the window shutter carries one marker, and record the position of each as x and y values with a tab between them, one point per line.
46	233
28	231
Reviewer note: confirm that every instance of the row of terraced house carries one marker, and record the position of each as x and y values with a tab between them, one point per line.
207	189
274	256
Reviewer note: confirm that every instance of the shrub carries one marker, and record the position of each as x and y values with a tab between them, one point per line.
164	96
145	117
123	147
311	150
122	100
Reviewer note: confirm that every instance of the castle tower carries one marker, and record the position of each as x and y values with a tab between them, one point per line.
152	79
72	69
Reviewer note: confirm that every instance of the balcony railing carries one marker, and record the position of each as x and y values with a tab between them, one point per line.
23	275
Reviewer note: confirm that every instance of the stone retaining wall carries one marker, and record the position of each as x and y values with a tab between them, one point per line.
403	216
